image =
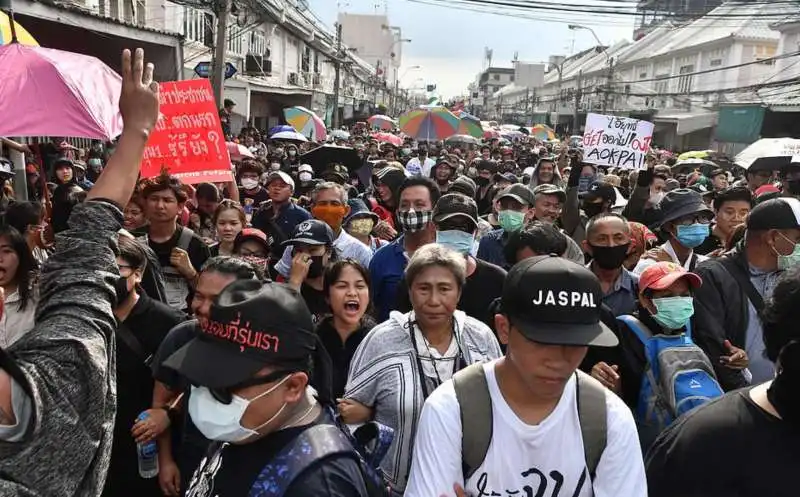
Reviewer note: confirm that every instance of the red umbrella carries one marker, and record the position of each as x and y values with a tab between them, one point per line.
491	133
389	138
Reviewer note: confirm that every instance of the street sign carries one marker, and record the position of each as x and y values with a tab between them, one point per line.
203	69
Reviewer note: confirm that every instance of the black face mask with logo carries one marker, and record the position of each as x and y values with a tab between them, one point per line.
317	267
592	210
122	290
609	257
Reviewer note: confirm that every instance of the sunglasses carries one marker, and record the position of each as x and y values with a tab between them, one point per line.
225	395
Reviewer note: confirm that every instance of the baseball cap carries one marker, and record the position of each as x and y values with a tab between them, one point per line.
549	189
312	232
518	192
662	275
510	177
555	301
251	234
250	326
455	205
781	213
464	185
281	176
602	191
305	168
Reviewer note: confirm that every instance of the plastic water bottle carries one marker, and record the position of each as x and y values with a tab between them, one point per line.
147	454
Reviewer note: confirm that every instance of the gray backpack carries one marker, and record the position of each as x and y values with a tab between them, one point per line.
475	404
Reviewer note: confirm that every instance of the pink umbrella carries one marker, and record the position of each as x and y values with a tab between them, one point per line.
46	92
238	151
389	138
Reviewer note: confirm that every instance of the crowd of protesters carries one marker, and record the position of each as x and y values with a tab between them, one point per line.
452	319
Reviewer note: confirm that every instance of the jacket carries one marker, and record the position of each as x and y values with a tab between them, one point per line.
720	313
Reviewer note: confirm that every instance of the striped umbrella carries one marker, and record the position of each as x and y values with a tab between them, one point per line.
469	125
306	122
379	121
23	37
429	123
542	132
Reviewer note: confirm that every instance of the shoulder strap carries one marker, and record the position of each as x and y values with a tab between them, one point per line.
126	335
641	331
743	279
693	261
310	446
185	239
475	405
592	417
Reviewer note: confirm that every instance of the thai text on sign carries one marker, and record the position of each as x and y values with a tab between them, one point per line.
616	141
187	139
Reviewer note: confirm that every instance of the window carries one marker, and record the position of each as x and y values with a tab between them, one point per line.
685	82
496	77
715	62
258	43
662	84
198	26
305	61
235	40
643	75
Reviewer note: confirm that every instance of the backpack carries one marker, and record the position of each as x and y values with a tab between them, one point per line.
320	442
678	377
475	405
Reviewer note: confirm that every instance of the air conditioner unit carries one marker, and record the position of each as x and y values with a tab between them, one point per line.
293	79
254	64
268	67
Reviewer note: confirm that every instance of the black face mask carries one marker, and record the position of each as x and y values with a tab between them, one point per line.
793	186
481	181
610	257
121	288
316	268
592	210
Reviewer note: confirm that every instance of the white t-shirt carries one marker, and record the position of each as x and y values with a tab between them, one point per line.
545	459
416	168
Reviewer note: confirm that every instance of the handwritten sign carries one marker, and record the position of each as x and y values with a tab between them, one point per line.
616	141
188	139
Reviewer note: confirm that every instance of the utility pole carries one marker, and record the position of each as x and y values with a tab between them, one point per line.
337	76
609	82
221	47
575	127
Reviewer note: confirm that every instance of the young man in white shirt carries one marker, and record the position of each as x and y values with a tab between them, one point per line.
541	441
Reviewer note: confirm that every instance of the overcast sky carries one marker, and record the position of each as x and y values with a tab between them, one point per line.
449	43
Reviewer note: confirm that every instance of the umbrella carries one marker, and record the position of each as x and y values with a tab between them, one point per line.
322	157
490	134
289	136
769	154
687	165
429	123
281	128
239	152
542	132
306	122
340	134
47	92
382	122
389	138
695	154
512	134
23	36
467	139
469	125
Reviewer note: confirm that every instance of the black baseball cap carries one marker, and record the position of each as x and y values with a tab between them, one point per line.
251	325
602	191
555	301
781	213
312	232
455	205
510	177
518	192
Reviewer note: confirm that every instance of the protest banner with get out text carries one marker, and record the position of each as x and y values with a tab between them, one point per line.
187	139
616	141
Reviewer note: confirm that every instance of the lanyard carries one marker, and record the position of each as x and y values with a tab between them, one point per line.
458	364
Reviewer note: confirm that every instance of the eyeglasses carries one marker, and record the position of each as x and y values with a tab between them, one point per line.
695	219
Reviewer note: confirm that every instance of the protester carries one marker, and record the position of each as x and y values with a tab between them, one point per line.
280	217
18	278
135	217
516	204
312	249
498	423
731	207
608	240
206	198
404	359
360	222
536	238
229	220
29	219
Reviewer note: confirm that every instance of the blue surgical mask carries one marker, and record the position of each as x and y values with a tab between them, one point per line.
788	261
673	312
457	240
693	235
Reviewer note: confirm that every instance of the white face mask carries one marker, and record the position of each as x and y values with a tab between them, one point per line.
275	166
249	183
305	176
292	153
223	422
656	198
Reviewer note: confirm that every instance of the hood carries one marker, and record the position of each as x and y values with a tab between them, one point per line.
557	180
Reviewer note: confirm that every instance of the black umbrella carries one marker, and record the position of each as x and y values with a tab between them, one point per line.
322	157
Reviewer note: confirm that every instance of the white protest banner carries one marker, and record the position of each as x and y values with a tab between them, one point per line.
616	141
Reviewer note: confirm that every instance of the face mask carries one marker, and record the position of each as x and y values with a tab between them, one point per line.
787	261
249	183
414	220
222	422
361	227
592	209
481	181
511	220
331	214
457	240
305	176
406	151
256	261
656	198
693	235
317	267
275	166
609	257
292	153
673	312
278	151
122	290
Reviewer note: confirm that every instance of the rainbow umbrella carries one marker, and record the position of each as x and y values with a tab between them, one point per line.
23	37
429	123
306	122
542	132
469	125
379	121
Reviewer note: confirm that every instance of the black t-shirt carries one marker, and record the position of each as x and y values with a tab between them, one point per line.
710	244
230	470
729	447
315	300
198	253
483	286
251	201
149	321
341	353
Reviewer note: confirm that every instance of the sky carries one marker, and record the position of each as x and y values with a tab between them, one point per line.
449	43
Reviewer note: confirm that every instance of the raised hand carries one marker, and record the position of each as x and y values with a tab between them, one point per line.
138	100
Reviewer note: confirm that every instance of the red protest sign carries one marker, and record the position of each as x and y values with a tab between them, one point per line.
188	139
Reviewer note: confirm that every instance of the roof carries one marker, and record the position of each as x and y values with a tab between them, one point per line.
71	7
500	70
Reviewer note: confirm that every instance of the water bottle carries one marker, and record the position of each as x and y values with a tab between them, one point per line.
147	454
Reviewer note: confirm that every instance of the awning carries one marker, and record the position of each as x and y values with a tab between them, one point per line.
271	85
688	122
